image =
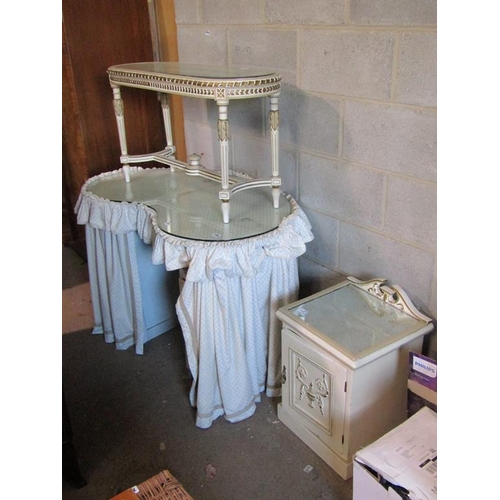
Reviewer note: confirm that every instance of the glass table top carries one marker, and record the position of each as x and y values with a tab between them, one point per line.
354	320
189	206
196	71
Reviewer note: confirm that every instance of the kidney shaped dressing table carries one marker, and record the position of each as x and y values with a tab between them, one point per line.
237	275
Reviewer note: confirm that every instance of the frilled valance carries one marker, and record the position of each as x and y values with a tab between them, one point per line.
241	257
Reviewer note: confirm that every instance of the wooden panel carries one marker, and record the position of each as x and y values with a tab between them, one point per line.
98	34
101	33
74	157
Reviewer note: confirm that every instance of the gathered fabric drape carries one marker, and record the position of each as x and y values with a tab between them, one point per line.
226	308
115	288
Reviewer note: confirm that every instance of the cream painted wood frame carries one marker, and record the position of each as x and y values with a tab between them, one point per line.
221	84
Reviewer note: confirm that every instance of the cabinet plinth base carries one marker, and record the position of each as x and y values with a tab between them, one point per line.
342	467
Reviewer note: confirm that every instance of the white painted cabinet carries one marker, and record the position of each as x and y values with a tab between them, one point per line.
345	357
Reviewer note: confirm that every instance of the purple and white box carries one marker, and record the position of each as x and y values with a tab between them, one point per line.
422	383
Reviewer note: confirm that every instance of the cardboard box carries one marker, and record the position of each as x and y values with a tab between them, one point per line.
367	486
422	383
401	464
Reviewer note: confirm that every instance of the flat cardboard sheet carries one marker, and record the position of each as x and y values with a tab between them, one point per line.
407	455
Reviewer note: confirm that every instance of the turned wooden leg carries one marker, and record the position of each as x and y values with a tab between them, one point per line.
276	197
225	211
223	130
274	124
120	122
165	108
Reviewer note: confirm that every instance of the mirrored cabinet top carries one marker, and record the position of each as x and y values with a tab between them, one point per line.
354	320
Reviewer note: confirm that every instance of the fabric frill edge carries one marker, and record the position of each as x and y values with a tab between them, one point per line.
239	257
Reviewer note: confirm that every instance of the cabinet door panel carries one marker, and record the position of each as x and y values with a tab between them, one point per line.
315	390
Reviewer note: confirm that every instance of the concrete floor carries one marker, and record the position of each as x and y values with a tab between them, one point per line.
131	418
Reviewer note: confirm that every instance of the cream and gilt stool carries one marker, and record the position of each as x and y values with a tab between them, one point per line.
221	84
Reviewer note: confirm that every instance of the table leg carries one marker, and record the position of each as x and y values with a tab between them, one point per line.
165	108
274	119
223	130
120	122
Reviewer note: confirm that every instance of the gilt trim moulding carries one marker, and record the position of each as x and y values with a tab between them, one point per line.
394	296
197	80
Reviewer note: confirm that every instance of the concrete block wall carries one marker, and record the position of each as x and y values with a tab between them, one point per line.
357	125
